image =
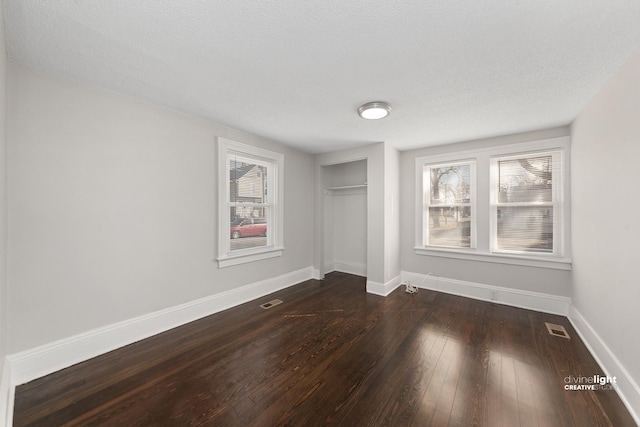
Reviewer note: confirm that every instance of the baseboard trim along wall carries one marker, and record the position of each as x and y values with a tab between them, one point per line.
46	359
6	395
627	388
350	267
19	368
383	289
346	267
537	301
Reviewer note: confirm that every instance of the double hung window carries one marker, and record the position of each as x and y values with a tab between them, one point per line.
526	203
250	204
506	204
449	211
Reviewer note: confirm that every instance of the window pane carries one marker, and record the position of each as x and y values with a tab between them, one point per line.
450	226
450	184
527	179
528	229
248	181
248	228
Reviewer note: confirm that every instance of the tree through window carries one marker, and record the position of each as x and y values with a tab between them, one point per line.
526	201
449	215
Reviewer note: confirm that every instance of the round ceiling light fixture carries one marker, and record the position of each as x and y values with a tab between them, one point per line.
374	110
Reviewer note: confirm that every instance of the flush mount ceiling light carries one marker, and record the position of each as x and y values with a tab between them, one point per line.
374	110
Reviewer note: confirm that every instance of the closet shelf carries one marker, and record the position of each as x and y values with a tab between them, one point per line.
347	187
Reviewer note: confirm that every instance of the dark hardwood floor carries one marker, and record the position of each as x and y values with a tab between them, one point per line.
332	354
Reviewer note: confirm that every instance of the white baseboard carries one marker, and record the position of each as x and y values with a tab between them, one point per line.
627	388
43	360
537	301
329	267
6	395
28	365
346	267
383	289
350	267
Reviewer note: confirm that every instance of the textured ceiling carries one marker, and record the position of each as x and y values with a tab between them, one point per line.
296	71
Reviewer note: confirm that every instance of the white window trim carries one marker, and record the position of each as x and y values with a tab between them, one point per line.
275	247
556	204
497	258
472	205
482	252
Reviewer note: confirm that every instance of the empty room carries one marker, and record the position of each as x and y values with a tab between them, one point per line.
359	213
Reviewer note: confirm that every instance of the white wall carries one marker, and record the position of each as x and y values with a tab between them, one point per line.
323	223
349	231
391	213
112	209
378	269
5	389
3	197
346	218
348	173
548	281
606	231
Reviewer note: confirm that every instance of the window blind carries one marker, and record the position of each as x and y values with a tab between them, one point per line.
526	204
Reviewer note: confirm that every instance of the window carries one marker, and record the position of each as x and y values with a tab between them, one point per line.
526	200
506	204
449	212
250	203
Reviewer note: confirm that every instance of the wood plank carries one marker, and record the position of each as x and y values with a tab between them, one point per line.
333	354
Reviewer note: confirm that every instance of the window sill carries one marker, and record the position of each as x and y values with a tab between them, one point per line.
551	263
244	257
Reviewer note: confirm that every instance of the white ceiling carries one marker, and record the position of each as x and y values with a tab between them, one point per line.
296	71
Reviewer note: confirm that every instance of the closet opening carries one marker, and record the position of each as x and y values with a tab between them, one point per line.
345	217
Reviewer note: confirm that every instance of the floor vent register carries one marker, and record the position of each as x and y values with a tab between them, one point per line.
271	303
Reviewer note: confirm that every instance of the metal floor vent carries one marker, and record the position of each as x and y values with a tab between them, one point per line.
557	330
271	303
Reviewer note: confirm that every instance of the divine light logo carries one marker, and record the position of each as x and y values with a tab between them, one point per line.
594	382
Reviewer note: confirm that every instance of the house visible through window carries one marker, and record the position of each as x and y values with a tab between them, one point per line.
505	204
250	223
249	206
526	202
449	212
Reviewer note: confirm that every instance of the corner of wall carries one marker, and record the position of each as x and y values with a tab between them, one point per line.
6	405
604	138
627	388
383	289
7	390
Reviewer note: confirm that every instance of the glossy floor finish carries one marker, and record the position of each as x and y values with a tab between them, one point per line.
332	354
